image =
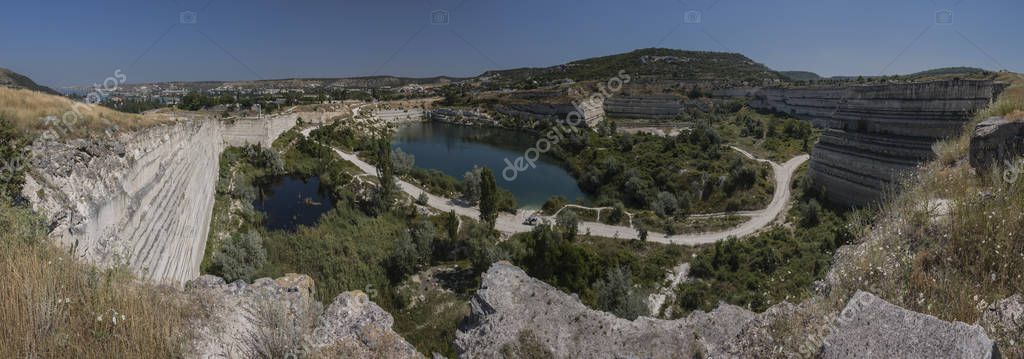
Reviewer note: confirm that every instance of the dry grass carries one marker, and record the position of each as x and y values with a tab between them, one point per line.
55	307
29	111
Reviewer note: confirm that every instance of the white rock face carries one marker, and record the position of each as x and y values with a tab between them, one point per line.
144	199
514	312
875	134
280	318
870	327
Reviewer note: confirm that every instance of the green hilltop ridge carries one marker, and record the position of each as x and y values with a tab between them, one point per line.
654	62
800	75
13	79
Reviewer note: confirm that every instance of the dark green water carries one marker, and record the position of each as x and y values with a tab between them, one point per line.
455	149
289	202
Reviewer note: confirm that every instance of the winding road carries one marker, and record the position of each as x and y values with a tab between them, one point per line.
511	224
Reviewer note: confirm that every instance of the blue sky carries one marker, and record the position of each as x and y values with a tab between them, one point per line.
79	42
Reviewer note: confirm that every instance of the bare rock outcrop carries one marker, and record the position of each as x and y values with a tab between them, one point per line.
870	327
513	312
280	318
655	107
995	142
1005	320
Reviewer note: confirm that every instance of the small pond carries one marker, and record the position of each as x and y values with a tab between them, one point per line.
288	202
455	149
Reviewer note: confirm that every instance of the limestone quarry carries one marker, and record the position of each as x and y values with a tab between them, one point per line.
877	133
142	199
145	199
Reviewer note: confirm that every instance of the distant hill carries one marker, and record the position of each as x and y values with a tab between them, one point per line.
950	71
13	79
655	63
800	75
293	83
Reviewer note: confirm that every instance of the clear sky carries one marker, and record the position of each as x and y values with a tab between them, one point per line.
80	42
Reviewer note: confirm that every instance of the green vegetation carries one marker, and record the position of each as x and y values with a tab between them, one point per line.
674	176
488	197
770	136
608	274
653	62
777	265
13	160
800	75
373	240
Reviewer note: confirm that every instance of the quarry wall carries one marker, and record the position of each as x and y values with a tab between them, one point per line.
142	199
874	134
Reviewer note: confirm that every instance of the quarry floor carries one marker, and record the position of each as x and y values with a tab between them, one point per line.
513	223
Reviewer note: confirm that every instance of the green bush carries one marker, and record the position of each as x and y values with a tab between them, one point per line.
615	294
240	257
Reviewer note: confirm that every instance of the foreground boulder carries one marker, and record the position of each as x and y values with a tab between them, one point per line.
996	141
870	327
1004	320
281	319
514	315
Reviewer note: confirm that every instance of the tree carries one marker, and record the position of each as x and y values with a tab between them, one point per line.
240	257
568	222
810	213
423	233
641	231
615	294
404	257
665	204
403	162
483	246
423	199
386	174
453	225
488	197
471	185
618	213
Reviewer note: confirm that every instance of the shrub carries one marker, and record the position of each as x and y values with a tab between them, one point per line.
471	185
403	162
13	160
615	294
553	204
240	257
483	246
665	204
423	199
569	223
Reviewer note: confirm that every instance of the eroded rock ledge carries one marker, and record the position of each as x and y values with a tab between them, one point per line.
513	313
280	318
